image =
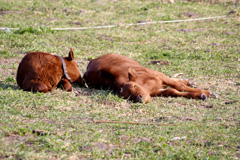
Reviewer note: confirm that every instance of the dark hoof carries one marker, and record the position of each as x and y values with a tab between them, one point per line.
203	97
140	99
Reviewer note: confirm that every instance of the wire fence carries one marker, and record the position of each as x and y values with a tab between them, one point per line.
124	25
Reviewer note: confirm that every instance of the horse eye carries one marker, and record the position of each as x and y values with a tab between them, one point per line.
134	86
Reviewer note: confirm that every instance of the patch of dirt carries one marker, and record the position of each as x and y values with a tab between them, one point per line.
206	106
136	140
160	62
105	37
190	14
190	30
9	71
15	138
10	12
238	155
229	33
189	118
4	156
146	139
143	139
53	19
16	157
49	121
124	138
162	119
76	23
69	11
100	146
85	148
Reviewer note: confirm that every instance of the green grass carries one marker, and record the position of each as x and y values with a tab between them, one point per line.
59	125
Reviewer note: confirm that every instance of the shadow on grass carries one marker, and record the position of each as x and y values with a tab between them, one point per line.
104	96
84	91
7	85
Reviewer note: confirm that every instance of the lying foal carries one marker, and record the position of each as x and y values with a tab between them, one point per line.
135	82
42	72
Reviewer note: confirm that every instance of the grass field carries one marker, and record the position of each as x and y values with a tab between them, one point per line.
60	125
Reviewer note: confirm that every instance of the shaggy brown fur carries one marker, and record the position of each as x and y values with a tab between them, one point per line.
135	82
42	72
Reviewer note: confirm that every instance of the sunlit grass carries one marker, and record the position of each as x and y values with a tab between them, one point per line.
60	125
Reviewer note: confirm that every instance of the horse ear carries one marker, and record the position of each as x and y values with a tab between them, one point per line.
70	55
132	74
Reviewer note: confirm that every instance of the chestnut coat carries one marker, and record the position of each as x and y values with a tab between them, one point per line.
135	82
43	72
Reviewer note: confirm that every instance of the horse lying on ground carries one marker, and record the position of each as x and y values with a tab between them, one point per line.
135	82
42	72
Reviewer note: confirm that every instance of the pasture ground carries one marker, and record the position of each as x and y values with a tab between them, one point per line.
59	125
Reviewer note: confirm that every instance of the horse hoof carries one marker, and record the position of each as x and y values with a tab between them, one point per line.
203	97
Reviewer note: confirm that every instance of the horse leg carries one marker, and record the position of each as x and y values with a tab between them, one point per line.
65	84
180	85
184	88
175	93
34	86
